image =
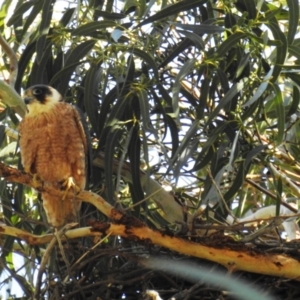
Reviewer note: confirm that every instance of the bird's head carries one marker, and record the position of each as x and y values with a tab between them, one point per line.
41	98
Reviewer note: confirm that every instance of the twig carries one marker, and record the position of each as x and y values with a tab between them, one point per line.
271	195
46	256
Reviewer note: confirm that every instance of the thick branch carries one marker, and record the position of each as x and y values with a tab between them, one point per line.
15	175
244	260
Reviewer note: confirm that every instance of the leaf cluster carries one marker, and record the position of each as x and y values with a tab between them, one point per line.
197	97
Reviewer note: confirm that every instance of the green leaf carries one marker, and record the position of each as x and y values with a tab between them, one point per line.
294	50
230	42
195	38
249	6
18	13
295	101
174	134
64	72
73	59
33	14
118	109
211	138
108	15
186	43
147	57
293	20
91	27
242	64
112	141
90	95
134	153
278	102
234	90
107	102
185	69
3	14
67	17
260	90
294	77
47	11
186	141
23	64
173	10
145	110
281	51
201	28
40	69
242	172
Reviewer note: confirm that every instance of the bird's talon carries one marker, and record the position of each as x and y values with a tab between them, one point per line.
37	180
69	184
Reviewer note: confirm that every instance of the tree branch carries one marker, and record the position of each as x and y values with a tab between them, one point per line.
7	92
244	259
13	71
239	257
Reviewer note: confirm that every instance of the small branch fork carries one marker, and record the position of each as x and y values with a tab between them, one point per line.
244	259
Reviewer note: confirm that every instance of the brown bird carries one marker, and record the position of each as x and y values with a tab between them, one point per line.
53	146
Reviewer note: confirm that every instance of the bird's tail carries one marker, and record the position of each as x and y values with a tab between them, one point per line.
60	211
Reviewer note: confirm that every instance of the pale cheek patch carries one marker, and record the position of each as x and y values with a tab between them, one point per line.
35	108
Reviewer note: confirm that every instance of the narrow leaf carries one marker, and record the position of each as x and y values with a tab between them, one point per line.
33	14
67	17
186	68
295	101
234	90
281	51
190	134
231	41
111	142
147	57
293	20
278	101
91	27
18	13
242	172
144	106
195	38
260	90
173	9
90	91
201	28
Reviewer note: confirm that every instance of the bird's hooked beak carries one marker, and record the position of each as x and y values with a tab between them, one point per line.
28	100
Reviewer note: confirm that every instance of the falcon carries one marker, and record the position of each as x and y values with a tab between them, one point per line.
53	146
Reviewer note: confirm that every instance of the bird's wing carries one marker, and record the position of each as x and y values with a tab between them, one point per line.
85	137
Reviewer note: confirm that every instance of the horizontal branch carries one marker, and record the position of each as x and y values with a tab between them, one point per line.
243	259
17	176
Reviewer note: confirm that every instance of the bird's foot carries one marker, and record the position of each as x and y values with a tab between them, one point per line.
69	184
37	180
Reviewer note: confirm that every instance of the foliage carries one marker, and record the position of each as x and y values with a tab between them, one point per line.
202	95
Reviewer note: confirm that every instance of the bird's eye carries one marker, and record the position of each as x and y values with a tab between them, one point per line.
37	92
